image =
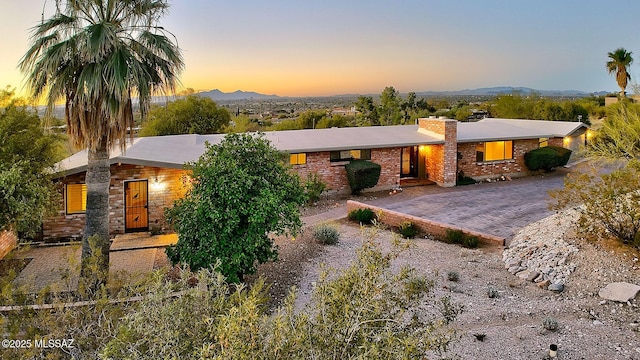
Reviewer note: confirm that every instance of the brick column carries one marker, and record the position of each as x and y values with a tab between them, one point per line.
445	159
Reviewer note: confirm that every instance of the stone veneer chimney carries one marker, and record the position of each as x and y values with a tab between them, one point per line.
446	157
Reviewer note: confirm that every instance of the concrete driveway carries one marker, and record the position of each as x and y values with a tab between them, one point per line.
499	209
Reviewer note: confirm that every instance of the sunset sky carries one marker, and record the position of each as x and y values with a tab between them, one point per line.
329	47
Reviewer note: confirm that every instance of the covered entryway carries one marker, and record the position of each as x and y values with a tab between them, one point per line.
413	166
136	206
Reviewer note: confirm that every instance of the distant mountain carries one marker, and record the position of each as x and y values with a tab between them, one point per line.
498	90
236	95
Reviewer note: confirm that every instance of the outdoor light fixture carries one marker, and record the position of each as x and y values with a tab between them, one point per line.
156	184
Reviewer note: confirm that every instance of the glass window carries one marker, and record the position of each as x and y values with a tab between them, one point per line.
346	155
76	199
494	151
298	159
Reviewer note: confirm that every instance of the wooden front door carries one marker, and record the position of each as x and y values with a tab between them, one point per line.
136	206
409	162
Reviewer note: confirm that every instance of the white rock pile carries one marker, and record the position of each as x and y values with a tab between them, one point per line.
539	253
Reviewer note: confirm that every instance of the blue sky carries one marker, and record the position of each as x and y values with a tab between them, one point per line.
306	48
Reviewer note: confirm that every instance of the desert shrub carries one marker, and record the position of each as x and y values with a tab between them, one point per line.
326	234
550	324
492	292
453	276
408	230
314	187
608	204
362	216
471	241
359	312
546	158
455	236
362	174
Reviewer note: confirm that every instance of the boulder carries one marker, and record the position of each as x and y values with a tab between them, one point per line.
619	291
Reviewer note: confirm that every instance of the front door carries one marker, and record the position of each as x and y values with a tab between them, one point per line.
136	206
409	162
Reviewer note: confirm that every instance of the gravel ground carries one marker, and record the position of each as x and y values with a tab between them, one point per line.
588	326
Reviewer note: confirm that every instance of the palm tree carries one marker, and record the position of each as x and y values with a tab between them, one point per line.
620	61
97	55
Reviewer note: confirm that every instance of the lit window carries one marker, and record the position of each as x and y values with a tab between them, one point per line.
543	142
346	155
494	151
298	159
76	198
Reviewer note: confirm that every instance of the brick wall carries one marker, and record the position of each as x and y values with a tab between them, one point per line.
335	176
8	241
483	170
438	230
170	186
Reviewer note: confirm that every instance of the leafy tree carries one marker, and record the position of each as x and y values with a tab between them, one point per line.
619	135
192	114
241	194
335	121
27	155
242	123
368	111
390	106
619	63
97	55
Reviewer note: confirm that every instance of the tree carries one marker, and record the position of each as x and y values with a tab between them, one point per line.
189	115
27	155
368	111
241	194
97	55
390	106
619	64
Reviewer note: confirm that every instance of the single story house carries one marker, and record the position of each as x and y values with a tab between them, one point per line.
150	174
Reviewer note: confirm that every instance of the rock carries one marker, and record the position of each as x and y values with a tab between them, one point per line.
557	287
597	322
543	284
533	275
619	291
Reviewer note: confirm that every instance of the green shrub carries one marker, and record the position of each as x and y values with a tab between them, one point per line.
326	234
455	236
363	216
492	293
314	187
546	158
362	174
453	276
462	179
550	324
408	230
471	241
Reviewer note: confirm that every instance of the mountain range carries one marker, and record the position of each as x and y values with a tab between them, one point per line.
488	91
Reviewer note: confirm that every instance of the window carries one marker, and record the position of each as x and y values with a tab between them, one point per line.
494	151
298	159
76	198
346	155
543	142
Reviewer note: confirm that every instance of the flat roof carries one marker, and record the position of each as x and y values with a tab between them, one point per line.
173	151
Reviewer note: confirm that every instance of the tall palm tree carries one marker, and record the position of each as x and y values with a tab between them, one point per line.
98	55
620	61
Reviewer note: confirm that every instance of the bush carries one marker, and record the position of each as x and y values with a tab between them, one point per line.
608	204
471	242
462	179
314	187
326	234
547	158
453	276
550	324
408	230
492	293
362	174
455	236
362	216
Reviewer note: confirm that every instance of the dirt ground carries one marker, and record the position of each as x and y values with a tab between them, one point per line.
512	322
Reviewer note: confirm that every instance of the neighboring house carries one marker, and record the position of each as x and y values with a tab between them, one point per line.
150	174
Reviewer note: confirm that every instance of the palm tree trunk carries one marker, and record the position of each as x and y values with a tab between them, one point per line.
95	242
